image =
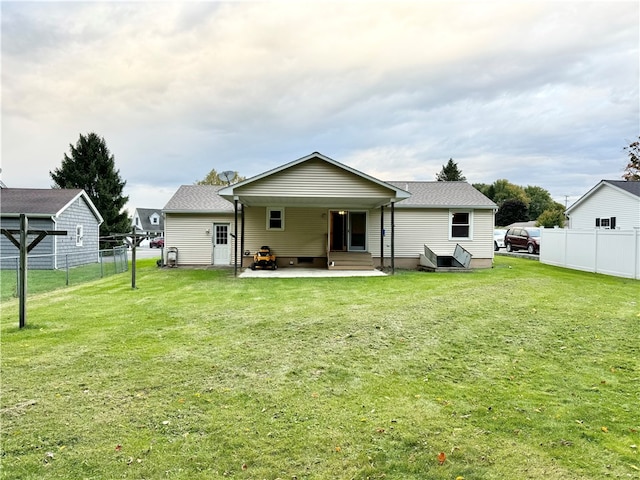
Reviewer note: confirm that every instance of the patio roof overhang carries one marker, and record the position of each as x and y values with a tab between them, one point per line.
344	202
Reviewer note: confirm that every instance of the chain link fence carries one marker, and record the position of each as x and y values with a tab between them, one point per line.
66	272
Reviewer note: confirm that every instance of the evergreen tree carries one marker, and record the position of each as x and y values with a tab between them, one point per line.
91	166
632	170
450	173
214	178
512	211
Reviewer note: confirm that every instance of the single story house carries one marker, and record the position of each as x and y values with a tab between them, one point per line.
148	221
70	210
315	211
611	204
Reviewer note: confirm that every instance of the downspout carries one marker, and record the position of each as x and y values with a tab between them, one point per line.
381	237
55	243
242	237
393	239
235	237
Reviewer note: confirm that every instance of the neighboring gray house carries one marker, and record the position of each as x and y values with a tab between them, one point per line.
148	221
611	204
315	211
51	209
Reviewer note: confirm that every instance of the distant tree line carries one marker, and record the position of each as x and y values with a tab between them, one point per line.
515	203
523	204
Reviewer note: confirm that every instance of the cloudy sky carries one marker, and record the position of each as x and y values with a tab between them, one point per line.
539	93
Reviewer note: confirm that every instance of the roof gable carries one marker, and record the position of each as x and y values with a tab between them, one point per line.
631	189
314	179
41	202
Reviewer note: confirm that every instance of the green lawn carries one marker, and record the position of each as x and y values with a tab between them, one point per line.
524	371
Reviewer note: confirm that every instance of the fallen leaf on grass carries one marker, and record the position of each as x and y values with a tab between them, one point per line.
604	429
118	448
442	457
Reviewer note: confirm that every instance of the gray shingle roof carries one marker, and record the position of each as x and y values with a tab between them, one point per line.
35	201
145	219
205	198
631	187
198	198
442	194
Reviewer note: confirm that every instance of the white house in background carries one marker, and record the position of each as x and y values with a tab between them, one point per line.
148	221
318	212
611	204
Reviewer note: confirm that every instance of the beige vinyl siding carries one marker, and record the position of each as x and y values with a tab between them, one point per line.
312	179
416	227
305	233
188	232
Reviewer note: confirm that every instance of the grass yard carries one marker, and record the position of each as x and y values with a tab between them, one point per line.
524	371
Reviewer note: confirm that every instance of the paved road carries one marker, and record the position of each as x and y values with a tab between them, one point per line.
146	252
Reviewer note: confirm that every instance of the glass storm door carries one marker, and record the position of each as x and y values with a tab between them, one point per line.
221	247
357	231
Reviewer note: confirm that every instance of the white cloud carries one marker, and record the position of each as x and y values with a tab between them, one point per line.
394	89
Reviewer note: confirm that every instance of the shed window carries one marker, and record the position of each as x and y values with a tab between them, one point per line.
460	226
79	235
275	218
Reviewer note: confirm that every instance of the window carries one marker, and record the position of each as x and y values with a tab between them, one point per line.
606	223
155	220
79	235
275	218
460	225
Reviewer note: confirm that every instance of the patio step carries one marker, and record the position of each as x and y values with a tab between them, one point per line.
350	261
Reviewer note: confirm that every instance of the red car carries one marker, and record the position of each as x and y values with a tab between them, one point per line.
523	238
156	242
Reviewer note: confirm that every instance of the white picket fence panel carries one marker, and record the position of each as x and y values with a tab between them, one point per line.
611	252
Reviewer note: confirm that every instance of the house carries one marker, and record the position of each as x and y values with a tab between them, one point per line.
148	221
611	204
315	211
70	210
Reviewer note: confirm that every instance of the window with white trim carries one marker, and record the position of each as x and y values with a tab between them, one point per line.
459	225
79	235
275	218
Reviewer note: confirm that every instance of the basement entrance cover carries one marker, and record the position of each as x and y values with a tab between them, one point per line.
459	261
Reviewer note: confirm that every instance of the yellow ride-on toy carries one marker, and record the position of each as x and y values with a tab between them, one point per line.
264	258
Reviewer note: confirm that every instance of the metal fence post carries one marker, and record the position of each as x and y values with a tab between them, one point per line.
17	275
66	266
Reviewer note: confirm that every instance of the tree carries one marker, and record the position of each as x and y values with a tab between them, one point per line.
504	190
539	200
450	173
512	211
632	170
552	217
91	166
214	178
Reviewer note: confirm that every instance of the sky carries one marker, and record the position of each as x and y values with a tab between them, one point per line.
538	93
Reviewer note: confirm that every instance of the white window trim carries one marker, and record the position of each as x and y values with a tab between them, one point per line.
79	235
460	210
275	209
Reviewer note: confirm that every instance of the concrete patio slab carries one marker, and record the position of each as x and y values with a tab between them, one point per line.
308	272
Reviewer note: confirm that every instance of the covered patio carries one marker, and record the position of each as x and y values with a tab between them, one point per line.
308	273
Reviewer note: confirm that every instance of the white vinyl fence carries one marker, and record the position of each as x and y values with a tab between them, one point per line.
611	252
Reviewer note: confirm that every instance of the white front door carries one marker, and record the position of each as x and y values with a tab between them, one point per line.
221	247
